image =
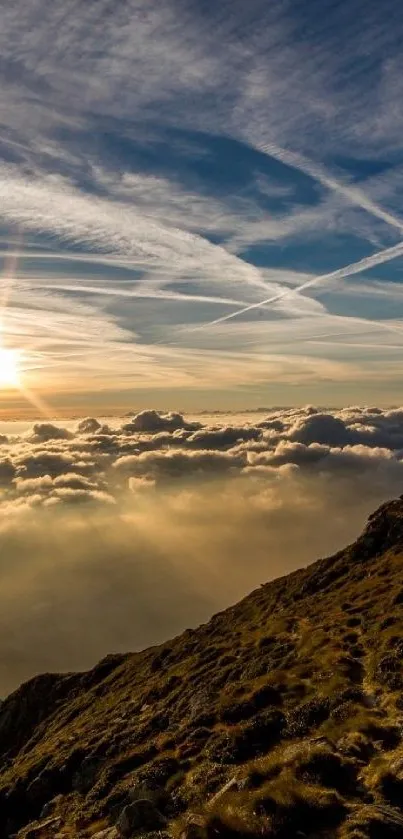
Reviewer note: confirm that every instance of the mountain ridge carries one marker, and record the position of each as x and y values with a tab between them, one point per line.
282	716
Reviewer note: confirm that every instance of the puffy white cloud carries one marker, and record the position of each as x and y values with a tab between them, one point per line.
152	422
7	470
320	428
44	431
177	464
155	446
222	437
89	425
41	462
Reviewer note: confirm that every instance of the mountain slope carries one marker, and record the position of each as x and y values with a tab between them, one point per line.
280	717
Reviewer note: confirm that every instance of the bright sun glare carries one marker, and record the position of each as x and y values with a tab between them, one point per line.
9	368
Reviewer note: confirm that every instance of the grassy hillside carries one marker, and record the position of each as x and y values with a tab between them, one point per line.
281	717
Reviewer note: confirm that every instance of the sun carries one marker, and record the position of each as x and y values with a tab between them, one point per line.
9	368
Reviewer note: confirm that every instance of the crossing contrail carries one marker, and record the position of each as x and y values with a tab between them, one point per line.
353	194
368	262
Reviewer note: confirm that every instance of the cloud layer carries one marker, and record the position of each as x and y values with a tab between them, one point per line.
113	538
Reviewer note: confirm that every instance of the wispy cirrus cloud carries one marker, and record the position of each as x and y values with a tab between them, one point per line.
186	165
341	273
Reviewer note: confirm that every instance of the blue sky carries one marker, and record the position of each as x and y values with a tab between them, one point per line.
200	202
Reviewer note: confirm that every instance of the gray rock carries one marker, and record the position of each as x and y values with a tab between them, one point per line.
143	791
86	776
231	784
141	816
42	788
192	830
35	829
49	808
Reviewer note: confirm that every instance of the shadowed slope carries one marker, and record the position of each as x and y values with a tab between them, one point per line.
281	715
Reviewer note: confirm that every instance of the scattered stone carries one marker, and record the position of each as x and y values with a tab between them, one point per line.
231	784
38	827
108	833
85	777
144	792
141	816
49	808
192	830
42	788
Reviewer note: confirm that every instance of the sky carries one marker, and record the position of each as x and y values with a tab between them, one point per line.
200	204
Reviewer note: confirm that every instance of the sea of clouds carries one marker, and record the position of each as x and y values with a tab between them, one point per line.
114	537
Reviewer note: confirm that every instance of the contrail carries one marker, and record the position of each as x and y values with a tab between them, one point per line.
368	262
315	171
